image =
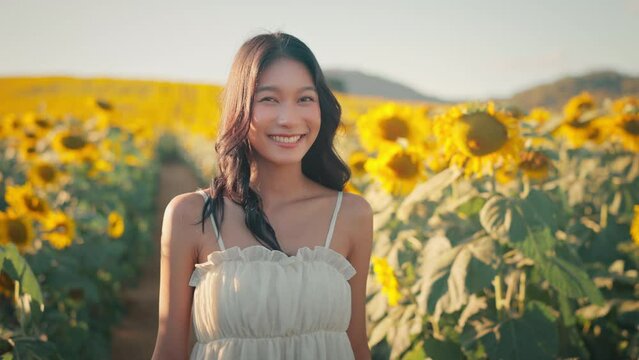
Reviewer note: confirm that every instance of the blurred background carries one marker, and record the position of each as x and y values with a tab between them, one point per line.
497	141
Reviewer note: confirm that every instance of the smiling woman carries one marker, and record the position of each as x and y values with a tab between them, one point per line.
289	280
286	113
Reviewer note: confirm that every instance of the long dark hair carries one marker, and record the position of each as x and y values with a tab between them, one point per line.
320	164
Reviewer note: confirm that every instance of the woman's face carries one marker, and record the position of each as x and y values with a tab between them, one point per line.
286	113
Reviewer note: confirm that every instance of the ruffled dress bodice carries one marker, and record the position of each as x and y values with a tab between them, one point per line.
258	303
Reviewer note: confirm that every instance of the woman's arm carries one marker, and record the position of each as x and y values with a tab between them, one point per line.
361	244
178	256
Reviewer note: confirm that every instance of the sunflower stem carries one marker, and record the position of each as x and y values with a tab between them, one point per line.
498	294
603	217
525	181
510	290
521	295
453	188
493	181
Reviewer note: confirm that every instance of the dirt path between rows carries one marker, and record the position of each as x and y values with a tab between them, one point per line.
134	338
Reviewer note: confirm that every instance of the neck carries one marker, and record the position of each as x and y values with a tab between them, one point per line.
278	184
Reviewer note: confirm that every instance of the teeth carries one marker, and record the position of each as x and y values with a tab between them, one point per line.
286	139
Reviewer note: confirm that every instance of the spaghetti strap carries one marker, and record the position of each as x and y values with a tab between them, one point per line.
218	235
329	236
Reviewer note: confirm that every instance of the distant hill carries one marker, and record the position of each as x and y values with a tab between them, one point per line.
601	84
359	83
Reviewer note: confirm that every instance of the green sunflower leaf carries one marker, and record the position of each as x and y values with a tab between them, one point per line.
18	269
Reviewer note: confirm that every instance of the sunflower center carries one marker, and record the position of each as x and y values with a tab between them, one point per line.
61	228
485	134
104	105
359	165
74	142
47	173
393	128
17	231
43	123
35	204
584	106
632	127
31	135
403	166
575	123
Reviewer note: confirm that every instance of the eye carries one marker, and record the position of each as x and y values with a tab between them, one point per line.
266	99
309	98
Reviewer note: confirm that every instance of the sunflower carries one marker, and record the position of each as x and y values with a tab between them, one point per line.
539	115
581	123
11	125
27	149
581	131
44	123
389	122
578	105
95	161
535	165
17	229
38	126
100	166
72	146
386	277
59	229
399	169
44	174
626	130
478	139
116	225
356	162
23	200
628	104
634	228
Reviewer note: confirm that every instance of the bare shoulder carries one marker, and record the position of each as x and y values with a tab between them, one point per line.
186	208
180	217
356	206
358	214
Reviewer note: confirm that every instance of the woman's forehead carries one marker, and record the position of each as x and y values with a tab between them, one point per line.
285	72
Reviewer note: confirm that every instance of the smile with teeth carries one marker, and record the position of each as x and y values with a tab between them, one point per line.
286	139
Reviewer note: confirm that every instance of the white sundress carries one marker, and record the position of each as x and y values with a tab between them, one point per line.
256	303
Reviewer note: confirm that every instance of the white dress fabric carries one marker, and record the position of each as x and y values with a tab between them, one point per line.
256	303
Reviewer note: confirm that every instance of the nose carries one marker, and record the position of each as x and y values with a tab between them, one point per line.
288	114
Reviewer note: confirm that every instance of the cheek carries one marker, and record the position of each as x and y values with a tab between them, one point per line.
263	114
315	117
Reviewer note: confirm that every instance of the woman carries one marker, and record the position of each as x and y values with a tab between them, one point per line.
285	275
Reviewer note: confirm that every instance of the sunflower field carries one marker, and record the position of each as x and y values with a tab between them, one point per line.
499	233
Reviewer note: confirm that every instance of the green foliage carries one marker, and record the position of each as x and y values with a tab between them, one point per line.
529	272
68	299
532	336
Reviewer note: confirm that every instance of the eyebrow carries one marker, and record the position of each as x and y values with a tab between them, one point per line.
276	89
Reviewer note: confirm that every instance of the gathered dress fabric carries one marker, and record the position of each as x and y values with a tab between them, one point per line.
258	303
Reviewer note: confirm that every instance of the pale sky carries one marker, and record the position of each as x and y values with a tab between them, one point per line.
449	49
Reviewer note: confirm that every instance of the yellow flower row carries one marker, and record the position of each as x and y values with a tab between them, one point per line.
386	277
58	228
